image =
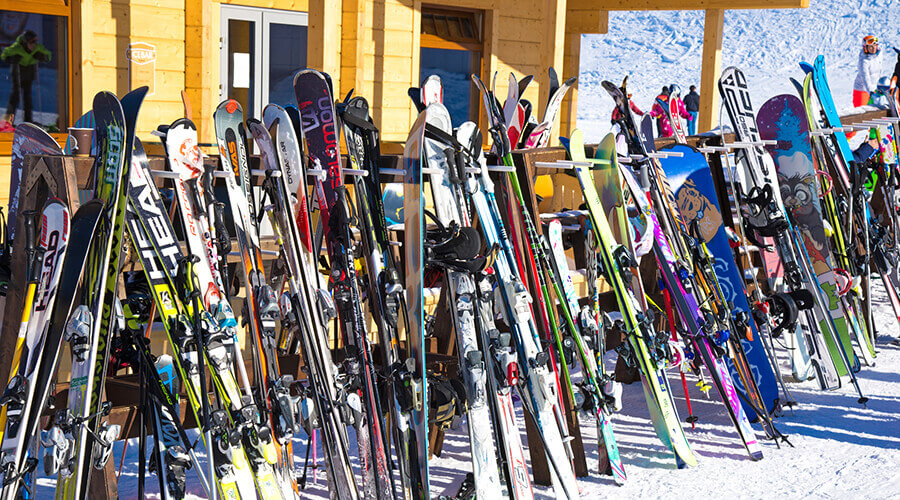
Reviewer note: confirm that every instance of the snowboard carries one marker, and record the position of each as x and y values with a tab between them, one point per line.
414	224
783	118
695	194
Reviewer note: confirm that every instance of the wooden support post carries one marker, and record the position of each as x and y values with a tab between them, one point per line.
711	65
552	50
201	56
582	17
324	36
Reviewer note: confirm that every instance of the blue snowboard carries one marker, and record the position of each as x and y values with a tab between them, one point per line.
695	193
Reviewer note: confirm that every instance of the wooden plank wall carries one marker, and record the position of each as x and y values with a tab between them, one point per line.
581	18
390	29
161	23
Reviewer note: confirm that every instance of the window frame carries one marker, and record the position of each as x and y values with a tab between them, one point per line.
59	8
429	41
262	17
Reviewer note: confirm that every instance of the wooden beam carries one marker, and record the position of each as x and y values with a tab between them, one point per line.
201	63
711	65
553	43
324	38
83	67
695	4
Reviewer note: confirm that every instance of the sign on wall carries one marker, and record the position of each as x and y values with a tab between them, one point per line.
142	66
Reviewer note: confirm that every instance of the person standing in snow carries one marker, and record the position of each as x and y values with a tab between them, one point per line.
692	105
654	110
616	115
663	126
868	70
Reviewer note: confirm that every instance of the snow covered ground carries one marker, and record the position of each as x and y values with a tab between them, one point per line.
840	448
661	48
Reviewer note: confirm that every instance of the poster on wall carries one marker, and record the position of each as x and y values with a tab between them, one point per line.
142	66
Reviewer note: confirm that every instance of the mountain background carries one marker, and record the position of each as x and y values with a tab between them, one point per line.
660	48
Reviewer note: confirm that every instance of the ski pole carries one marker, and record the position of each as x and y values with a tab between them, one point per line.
692	419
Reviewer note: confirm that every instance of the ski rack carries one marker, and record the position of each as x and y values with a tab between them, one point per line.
568	164
731	146
399	172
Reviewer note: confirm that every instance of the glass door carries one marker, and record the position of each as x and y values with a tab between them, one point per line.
260	51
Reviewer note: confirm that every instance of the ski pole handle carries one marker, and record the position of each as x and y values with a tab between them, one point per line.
223	239
29	220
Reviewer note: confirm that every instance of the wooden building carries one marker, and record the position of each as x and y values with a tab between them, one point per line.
248	49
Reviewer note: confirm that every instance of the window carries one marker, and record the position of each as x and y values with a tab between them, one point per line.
34	79
261	50
451	48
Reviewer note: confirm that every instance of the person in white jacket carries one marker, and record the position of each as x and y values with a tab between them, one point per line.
869	70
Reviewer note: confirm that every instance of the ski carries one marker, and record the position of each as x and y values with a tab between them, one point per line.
615	259
452	216
306	307
194	334
83	228
323	133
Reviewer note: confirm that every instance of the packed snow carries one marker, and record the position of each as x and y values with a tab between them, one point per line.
661	48
840	449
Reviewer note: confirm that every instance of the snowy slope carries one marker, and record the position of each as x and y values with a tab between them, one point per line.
660	48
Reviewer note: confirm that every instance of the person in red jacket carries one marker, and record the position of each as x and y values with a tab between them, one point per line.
663	126
616	115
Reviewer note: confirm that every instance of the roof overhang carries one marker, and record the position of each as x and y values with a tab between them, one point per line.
689	4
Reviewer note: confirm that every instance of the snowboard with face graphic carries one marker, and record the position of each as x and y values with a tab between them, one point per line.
695	195
783	118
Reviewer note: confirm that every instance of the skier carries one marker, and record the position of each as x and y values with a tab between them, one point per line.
663	126
616	115
656	110
22	56
869	67
897	65
692	104
882	93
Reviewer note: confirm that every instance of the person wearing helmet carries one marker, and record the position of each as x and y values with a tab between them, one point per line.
659	111
882	93
869	69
